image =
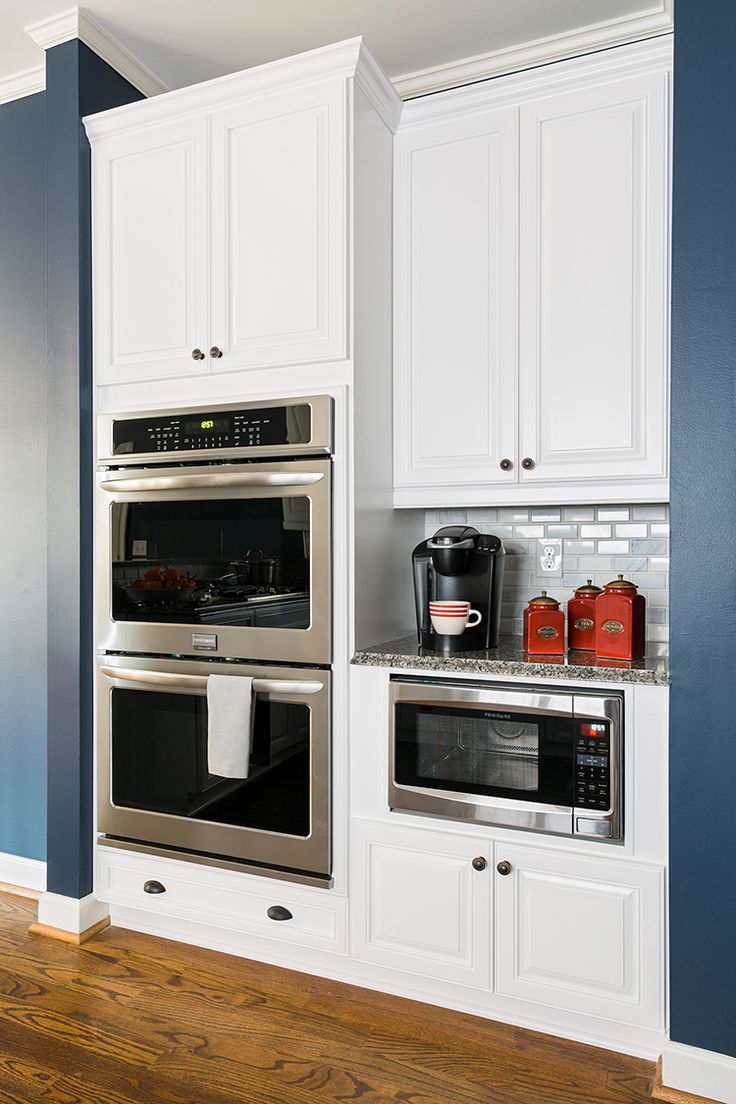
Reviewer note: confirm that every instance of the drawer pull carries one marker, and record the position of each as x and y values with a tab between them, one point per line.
278	912
152	886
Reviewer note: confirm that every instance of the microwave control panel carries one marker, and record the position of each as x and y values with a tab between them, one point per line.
229	429
592	765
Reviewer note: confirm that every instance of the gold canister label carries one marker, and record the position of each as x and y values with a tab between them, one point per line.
584	623
548	631
612	627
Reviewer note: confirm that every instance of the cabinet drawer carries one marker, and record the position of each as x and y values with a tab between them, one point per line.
224	898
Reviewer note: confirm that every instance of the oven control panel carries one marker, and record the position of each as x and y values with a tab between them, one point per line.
592	765
251	427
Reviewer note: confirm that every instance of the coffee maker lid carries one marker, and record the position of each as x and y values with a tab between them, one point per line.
453	536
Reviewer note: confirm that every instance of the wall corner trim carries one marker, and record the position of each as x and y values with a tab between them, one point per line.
702	1073
77	23
69	914
17	870
541	51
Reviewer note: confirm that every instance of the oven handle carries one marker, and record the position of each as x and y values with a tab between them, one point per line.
213	479
199	682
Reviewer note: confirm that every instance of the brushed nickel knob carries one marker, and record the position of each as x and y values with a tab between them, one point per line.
479	863
505	464
527	463
504	868
215	353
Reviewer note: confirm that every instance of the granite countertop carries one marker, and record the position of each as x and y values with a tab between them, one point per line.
510	659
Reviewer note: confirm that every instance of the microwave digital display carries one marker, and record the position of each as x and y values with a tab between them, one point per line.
592	730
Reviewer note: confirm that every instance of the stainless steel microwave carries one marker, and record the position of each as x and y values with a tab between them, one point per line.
531	758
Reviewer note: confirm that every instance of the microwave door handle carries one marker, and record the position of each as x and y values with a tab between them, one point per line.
212	480
199	682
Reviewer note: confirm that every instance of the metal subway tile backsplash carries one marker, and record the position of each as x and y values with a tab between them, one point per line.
598	542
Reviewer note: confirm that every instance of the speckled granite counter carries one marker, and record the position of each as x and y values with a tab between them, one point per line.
510	659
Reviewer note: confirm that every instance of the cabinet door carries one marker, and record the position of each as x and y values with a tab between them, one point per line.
279	236
593	280
583	934
419	906
151	263
455	305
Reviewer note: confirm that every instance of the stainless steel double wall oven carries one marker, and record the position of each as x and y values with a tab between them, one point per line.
214	556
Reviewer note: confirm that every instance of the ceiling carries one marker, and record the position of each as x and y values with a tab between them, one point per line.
185	41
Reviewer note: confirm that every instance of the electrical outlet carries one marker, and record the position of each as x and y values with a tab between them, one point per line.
550	557
140	549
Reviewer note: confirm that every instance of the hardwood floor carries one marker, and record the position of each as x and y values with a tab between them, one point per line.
129	1017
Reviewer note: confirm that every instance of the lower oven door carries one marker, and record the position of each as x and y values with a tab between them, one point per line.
154	786
479	753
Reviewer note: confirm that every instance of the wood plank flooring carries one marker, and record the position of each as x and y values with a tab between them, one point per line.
133	1018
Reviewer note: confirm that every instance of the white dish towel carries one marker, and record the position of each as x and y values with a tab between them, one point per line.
230	725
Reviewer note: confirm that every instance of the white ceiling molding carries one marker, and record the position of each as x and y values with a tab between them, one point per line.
77	23
541	51
22	84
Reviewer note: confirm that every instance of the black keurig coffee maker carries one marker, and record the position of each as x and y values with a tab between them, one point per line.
459	564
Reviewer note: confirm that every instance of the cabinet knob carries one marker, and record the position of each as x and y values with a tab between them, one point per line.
152	886
197	354
479	863
278	912
504	868
506	464
527	463
215	353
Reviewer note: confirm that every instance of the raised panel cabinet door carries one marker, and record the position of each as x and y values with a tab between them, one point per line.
150	244
594	282
455	264
279	237
582	934
420	906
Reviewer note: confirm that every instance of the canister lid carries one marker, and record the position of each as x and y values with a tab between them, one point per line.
544	600
621	584
590	590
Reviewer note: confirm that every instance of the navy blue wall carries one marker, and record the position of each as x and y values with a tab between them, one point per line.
78	83
23	479
703	520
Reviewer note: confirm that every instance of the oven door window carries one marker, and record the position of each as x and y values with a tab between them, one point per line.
159	762
239	561
527	757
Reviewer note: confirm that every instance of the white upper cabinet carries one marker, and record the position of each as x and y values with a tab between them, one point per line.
455	330
593	318
151	270
531	273
221	236
278	229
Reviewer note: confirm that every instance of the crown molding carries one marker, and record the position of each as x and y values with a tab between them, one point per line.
78	23
22	84
377	87
541	51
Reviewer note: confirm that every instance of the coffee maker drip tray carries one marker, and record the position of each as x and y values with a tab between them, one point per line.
459	564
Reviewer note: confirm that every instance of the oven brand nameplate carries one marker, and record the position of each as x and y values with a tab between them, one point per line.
204	642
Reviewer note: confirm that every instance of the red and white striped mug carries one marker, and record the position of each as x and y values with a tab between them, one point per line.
452	618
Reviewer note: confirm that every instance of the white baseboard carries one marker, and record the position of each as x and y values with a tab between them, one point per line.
69	914
18	871
700	1072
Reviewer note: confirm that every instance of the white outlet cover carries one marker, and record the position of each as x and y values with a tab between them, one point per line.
550	557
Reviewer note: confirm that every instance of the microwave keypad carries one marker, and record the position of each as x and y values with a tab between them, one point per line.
592	767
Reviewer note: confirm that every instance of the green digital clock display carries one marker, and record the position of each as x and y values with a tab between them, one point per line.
208	423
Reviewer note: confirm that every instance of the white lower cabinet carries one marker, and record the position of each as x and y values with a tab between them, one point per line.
419	905
582	934
553	928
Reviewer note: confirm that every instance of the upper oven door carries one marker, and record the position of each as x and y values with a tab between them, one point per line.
478	752
232	560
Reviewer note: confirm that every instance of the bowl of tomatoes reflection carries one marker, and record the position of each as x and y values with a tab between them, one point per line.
164	586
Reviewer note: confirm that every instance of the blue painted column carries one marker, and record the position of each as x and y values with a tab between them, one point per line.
78	83
703	518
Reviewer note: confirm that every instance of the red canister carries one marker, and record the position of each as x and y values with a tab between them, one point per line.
620	615
581	617
544	626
